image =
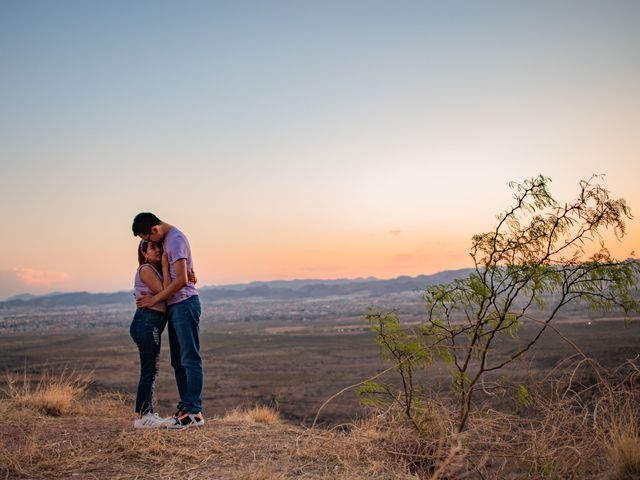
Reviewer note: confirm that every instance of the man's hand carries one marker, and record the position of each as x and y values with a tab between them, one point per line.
145	302
181	279
192	277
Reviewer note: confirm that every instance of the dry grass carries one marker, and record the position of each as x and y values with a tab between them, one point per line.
53	395
583	423
387	446
580	424
620	428
624	454
257	414
255	471
108	404
105	452
60	395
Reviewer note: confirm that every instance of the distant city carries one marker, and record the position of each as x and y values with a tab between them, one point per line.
340	304
275	290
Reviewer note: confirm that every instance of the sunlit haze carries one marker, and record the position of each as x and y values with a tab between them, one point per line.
299	139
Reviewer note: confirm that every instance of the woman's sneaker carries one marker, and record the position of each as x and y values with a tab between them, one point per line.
149	420
185	420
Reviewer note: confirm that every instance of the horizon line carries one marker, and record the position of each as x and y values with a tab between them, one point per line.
319	280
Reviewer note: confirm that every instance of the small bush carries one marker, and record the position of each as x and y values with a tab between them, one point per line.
50	395
621	432
625	457
256	414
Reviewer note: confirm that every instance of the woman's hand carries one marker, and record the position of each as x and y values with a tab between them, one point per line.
165	261
192	277
145	301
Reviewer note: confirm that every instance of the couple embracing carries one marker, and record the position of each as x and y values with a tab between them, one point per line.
166	296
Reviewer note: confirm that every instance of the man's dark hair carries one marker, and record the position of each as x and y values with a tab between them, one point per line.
143	222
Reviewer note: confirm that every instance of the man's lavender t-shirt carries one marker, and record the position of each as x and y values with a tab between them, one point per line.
177	247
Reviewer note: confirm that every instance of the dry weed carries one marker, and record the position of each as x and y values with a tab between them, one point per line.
35	456
260	471
581	424
256	414
53	395
624	453
620	427
578	426
387	446
125	454
108	405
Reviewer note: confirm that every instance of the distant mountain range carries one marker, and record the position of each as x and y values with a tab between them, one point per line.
272	290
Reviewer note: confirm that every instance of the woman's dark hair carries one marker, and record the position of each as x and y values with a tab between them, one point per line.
143	222
142	249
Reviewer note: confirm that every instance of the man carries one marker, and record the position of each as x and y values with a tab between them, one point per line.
183	311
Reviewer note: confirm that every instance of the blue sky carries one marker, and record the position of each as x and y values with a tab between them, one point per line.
288	139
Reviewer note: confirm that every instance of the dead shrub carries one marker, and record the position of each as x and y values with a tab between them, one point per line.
582	423
53	395
579	422
619	426
256	414
624	453
387	445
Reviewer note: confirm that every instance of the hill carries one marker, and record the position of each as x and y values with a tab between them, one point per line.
273	290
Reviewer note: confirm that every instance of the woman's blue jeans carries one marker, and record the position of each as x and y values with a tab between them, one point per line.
184	340
146	331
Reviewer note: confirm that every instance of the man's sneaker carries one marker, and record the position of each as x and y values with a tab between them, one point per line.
185	420
149	420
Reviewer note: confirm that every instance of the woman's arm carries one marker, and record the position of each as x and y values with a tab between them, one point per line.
180	269
150	278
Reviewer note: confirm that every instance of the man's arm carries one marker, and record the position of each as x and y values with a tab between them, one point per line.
180	268
166	276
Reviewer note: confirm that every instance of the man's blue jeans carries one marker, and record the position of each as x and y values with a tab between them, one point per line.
184	340
146	330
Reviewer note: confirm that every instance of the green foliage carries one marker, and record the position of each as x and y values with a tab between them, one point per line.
522	395
543	468
530	266
372	393
406	350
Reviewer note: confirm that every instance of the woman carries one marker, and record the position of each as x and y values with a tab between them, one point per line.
147	327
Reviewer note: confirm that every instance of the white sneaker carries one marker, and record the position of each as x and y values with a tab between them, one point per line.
149	420
164	420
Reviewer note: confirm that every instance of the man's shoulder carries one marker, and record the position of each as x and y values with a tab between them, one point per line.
175	234
176	244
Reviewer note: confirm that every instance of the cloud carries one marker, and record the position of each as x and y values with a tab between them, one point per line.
40	278
29	280
395	233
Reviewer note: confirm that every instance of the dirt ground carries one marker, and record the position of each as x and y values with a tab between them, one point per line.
295	372
70	448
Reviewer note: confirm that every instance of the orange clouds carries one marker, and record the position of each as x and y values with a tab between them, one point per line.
23	280
40	278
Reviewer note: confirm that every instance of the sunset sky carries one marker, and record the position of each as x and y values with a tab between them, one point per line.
300	139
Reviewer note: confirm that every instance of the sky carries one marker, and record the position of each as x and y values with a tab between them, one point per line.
300	139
